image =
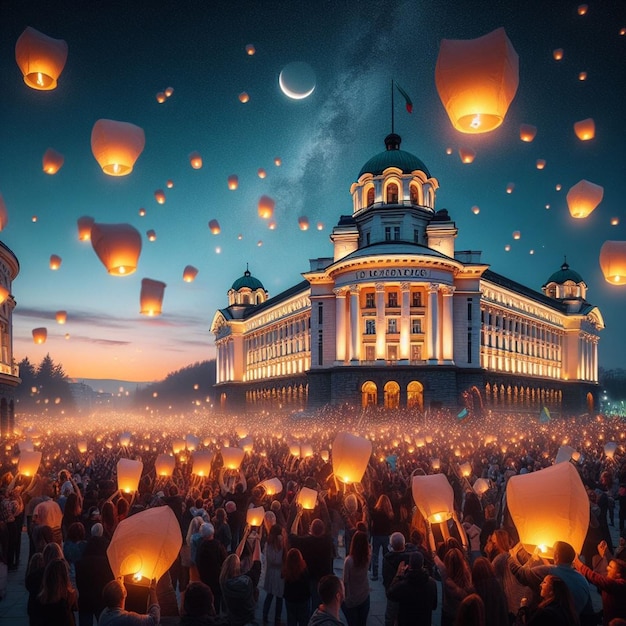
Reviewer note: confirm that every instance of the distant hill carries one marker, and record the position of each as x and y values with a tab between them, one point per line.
109	385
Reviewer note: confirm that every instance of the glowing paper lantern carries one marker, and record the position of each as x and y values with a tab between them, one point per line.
272	224
28	463
510	187
151	298
303	223
255	515
41	59
466	469
547	506
244	97
61	317
82	446
118	247
125	439
564	454
40	335
266	207
294	449
582	9
434	497
261	173
189	273
320	226
233	182
527	132
272	486
142	212
214	227
583	198
164	465
476	80
232	457
481	485
84	224
202	462
467	155
161	97
278	161
128	475
52	161
557	54
540	164
325	455
306	451
585	129
151	235
307	498
475	210
582	76
116	146
191	442
351	455
4	214
609	449
178	445
613	262
55	261
168	92
247	444
195	160
146	544
250	49
517	234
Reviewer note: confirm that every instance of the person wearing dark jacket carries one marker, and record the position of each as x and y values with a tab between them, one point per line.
210	556
332	595
398	554
414	591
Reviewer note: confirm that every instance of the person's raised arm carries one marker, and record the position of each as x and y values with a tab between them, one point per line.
242	543
242	479
296	520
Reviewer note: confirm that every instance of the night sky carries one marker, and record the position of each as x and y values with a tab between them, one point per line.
121	54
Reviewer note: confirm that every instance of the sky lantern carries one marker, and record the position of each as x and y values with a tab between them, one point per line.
582	76
476	80
564	454
178	445
272	486
159	196
475	210
609	449
233	182
517	234
61	317
40	335
161	97
28	463
320	226
540	164
613	262
189	273
195	160
151	235
81	445
232	457
116	146
125	439
325	455
244	97
261	173
303	223
585	129
582	9
55	261
527	132
4	214
547	506
481	486
118	246
128	475
151	297
557	54
250	49
52	161
84	224
214	227
191	442
164	465
307	498
255	516
168	92
201	463
294	449
467	155
266	207
145	544
272	224
510	187
278	161
351	455
466	469
583	198
41	59
614	221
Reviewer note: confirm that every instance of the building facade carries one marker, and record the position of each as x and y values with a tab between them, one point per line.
9	372
398	317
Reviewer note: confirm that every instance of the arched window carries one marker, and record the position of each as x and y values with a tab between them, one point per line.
370	197
246	299
392	193
392	395
369	394
415	395
414	194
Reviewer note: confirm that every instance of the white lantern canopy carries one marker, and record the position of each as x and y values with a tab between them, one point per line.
351	455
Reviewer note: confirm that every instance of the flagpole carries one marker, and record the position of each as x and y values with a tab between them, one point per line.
392	120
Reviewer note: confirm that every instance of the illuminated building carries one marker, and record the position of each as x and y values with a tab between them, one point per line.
399	318
9	372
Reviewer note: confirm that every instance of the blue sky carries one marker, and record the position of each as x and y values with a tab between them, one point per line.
121	54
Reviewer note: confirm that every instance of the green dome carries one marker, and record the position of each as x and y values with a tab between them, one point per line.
249	281
393	157
565	274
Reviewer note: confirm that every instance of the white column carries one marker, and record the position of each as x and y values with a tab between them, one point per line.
340	325
432	324
380	322
448	326
405	323
355	331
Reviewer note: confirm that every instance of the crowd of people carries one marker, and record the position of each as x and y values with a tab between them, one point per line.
479	574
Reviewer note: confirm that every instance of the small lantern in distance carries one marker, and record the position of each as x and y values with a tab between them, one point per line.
151	298
233	182
585	129
214	227
61	317
116	146
84	224
40	58
527	132
189	273
55	261
40	335
613	262
118	246
52	161
266	207
195	160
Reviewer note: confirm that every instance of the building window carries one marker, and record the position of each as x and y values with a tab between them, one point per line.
416	326
416	298
370	327
414	195
469	309
392	193
320	313
320	348
387	233
369	301
370	353
469	345
392	326
392	353
416	352
370	196
367	238
396	233
416	235
392	299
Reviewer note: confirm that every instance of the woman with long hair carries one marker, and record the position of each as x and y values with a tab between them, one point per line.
456	578
297	589
109	519
71	513
557	605
471	612
489	589
356	604
382	517
56	602
275	553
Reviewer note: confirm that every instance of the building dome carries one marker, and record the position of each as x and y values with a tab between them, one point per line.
564	275
247	280
393	157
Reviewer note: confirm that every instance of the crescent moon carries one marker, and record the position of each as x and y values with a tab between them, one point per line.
293	94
